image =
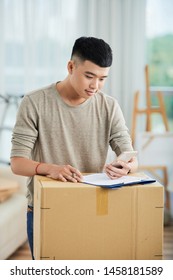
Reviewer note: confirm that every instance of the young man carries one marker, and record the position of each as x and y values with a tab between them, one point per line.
66	128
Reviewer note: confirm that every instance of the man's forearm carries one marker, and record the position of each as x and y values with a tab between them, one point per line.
26	167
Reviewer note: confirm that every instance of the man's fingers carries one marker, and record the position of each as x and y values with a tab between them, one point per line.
76	174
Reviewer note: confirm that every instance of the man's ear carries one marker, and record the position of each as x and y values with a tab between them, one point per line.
70	66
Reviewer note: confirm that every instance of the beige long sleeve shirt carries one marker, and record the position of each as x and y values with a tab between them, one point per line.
49	130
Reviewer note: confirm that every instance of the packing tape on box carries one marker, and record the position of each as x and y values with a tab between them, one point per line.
101	201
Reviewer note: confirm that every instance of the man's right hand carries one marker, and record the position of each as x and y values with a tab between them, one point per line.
64	173
27	167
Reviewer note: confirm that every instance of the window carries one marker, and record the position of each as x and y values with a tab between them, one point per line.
159	31
36	42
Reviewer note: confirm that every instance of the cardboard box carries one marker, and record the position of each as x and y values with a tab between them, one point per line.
84	222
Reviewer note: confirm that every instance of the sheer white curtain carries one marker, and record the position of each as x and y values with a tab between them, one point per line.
36	41
132	52
35	45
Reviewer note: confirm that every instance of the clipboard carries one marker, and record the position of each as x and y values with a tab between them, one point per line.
102	180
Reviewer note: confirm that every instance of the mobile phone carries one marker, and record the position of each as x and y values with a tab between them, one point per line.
125	156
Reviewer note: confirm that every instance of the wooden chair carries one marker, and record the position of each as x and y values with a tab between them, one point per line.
149	109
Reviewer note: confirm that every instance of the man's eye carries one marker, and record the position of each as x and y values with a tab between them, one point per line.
88	77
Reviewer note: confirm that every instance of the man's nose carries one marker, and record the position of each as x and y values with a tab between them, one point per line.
94	84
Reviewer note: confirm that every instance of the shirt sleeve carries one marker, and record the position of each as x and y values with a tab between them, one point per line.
120	139
25	131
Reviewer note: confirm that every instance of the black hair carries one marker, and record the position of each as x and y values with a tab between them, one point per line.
93	49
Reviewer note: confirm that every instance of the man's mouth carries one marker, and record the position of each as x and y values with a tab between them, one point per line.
90	92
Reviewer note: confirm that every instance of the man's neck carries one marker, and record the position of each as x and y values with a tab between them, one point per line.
68	94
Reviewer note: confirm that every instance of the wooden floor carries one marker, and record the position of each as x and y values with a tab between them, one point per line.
23	253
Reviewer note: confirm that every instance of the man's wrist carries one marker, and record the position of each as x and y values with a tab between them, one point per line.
37	168
42	168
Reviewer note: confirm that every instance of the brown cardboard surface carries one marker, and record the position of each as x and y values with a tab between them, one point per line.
79	221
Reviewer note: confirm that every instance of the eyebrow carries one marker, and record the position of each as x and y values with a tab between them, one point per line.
90	73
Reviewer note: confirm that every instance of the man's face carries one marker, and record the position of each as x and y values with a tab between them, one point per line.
86	78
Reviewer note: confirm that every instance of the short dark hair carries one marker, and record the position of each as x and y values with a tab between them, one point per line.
93	49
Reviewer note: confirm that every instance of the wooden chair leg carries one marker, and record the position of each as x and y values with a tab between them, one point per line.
163	110
167	195
148	120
